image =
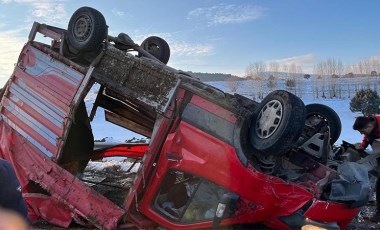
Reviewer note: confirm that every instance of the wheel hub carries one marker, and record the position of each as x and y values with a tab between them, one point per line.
269	119
82	28
153	49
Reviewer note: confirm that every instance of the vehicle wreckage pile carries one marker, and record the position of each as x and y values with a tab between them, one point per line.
214	159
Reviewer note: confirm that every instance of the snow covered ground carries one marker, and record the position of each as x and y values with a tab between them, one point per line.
305	88
342	108
124	166
103	129
113	133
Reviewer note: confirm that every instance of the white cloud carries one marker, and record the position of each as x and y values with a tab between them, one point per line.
302	59
11	44
188	49
179	47
118	12
226	14
45	11
306	62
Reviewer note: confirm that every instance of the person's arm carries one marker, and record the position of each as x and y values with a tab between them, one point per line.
364	143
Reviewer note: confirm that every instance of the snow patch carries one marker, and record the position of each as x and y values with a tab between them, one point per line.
101	165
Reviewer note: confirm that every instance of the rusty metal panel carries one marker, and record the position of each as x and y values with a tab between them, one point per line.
39	98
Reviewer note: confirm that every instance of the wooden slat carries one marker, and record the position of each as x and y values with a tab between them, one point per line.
144	109
125	111
128	124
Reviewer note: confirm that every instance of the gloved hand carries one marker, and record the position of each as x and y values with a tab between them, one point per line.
358	146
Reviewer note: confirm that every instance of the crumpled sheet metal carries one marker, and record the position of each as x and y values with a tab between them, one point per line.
68	195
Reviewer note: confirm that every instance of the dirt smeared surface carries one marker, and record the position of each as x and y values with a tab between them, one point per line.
144	79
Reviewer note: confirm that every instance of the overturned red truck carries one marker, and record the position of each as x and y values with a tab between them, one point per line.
214	159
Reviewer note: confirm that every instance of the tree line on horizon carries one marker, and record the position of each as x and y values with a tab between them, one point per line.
326	81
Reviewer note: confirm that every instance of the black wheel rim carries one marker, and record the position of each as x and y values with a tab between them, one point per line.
82	28
154	50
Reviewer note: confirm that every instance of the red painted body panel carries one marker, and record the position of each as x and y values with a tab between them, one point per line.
39	99
213	108
331	212
131	151
35	113
31	165
269	196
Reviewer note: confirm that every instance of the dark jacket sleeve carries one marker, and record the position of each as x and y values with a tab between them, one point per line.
10	190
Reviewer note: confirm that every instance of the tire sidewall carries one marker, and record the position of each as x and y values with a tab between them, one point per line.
164	54
97	33
290	126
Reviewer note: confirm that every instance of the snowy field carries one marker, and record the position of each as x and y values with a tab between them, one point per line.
306	91
112	133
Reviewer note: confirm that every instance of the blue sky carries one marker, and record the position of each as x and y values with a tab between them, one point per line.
216	36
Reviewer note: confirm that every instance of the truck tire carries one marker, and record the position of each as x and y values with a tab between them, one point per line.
158	47
329	116
277	123
87	29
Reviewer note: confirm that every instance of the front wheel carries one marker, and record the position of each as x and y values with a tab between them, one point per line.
278	123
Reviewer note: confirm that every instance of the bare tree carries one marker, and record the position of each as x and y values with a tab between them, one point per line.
340	68
290	81
333	69
293	69
285	69
232	84
360	68
331	65
347	68
355	68
299	69
367	67
299	80
320	70
274	67
249	71
255	71
375	64
339	72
